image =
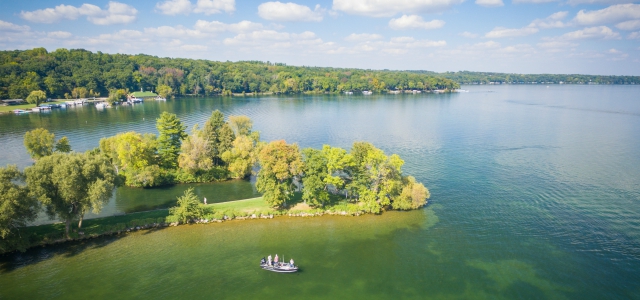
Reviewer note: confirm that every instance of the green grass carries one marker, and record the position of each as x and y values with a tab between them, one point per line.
248	205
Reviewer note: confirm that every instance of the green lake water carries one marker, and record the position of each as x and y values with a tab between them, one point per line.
535	195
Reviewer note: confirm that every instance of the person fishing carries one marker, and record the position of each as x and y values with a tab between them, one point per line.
269	259
276	259
291	262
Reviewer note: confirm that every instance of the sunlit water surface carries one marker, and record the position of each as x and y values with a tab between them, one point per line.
535	194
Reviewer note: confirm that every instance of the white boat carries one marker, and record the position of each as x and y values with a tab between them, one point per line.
102	105
135	100
367	92
20	111
278	267
160	98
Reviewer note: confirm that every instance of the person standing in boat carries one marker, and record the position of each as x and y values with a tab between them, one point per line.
276	258
269	259
291	262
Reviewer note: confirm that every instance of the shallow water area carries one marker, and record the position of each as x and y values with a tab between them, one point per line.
535	195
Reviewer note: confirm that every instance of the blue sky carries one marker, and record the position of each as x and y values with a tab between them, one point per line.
515	36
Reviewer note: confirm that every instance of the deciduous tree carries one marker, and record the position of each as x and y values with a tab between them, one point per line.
36	97
17	208
280	163
69	185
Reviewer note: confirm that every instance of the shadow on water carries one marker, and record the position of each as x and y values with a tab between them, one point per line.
13	261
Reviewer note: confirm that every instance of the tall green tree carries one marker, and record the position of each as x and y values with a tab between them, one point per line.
314	190
17	208
219	135
36	97
172	132
413	195
280	165
39	143
69	185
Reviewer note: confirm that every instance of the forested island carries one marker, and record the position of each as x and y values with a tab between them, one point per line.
78	73
67	184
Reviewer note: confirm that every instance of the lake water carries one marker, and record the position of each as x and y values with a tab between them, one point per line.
535	195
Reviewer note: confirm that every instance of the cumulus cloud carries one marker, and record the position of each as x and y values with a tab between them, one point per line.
207	7
614	13
269	37
174	7
388	8
59	34
634	35
468	35
556	44
501	32
7	26
289	12
490	3
577	2
599	32
115	13
552	21
414	22
362	37
217	26
534	1
629	25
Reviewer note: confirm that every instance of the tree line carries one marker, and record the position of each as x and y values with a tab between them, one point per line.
78	73
68	184
466	77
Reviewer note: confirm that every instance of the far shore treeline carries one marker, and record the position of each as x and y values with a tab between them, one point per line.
67	184
78	73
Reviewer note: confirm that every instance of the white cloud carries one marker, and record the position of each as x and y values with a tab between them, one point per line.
629	25
614	13
209	7
534	1
552	21
7	26
116	13
174	7
289	12
557	44
270	38
217	26
576	2
468	35
490	3
388	8
194	48
486	45
59	34
634	35
174	32
501	32
361	37
414	22
599	32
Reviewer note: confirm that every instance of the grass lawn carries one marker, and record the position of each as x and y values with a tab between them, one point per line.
246	206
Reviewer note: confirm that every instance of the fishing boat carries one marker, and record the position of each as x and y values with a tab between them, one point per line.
160	98
278	267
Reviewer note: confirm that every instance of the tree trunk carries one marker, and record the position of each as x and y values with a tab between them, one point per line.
80	222
66	227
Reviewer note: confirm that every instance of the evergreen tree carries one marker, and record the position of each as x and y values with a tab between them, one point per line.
172	132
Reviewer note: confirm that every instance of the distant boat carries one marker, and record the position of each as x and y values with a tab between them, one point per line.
278	267
160	98
348	93
102	105
367	92
135	100
20	111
